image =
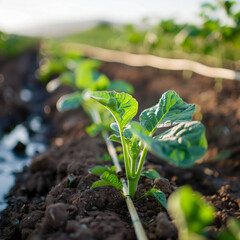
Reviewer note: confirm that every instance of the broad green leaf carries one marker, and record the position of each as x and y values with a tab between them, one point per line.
87	78
85	74
112	180
100	83
190	212
99	170
151	173
181	145
91	80
83	79
70	101
100	183
159	195
121	86
170	110
122	105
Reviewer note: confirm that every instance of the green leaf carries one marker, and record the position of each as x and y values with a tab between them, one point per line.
170	110
133	147
99	170
88	64
159	195
100	183
87	78
122	106
181	145
94	129
151	173
99	83
70	101
126	131
83	79
121	86
84	73
131	140
191	213
115	138
67	78
112	180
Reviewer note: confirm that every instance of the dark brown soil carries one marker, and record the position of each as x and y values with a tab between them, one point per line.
43	205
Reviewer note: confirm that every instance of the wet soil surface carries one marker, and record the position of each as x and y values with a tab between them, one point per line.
44	204
24	129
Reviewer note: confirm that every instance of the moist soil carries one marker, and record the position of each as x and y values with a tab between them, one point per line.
52	198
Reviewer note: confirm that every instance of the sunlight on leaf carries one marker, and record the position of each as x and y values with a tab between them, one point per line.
182	145
122	106
170	108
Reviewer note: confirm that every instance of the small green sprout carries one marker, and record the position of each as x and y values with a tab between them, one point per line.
181	145
71	178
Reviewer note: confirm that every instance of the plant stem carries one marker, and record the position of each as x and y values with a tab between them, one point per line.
133	167
141	161
132	186
139	230
133	183
125	154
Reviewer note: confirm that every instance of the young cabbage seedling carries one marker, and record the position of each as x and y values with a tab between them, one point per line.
181	145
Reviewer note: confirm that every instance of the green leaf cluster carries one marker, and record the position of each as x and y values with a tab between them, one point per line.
181	145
